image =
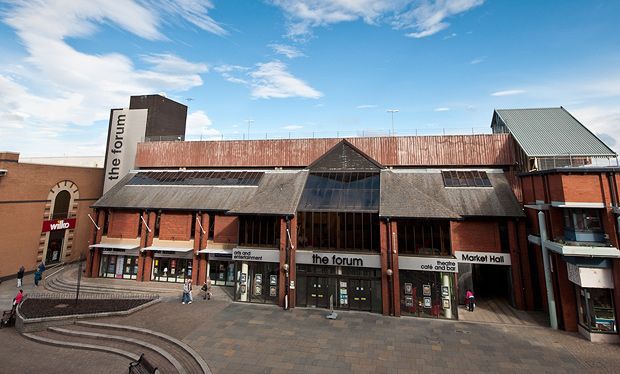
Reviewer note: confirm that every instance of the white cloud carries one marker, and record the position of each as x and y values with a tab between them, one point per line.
268	80
508	93
604	121
286	50
272	80
58	86
425	17
442	109
199	124
293	127
477	60
366	106
453	35
193	11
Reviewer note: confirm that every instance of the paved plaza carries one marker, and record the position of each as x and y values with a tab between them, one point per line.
249	338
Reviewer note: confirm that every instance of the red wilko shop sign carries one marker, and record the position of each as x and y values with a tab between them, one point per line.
58	224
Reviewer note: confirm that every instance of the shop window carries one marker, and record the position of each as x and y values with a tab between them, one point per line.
596	311
427	294
424	237
338	230
583	225
61	205
259	231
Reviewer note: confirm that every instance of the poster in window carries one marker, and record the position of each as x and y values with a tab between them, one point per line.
273	280
445	291
409	301
408	288
426	289
258	290
258	278
446	303
427	302
272	291
243	277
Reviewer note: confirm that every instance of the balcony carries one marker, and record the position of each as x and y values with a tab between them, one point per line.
579	249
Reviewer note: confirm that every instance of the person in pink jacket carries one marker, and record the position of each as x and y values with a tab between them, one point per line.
470	300
18	298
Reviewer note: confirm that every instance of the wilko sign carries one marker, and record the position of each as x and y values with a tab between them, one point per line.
58	224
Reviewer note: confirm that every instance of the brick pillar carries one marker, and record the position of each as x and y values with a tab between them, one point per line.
395	276
196	261
96	262
143	238
615	268
566	298
202	268
205	224
282	276
148	266
526	272
92	239
383	243
517	284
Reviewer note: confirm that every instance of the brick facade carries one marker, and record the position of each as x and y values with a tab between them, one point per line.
123	224
476	236
175	226
226	229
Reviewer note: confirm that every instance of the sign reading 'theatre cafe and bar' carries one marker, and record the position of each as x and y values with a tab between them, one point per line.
58	224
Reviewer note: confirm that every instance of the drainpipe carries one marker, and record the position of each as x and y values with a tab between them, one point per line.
389	269
553	318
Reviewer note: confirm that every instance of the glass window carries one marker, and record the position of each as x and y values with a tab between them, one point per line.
596	309
341	191
424	237
331	230
465	178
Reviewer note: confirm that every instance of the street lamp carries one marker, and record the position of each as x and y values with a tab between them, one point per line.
249	121
392	111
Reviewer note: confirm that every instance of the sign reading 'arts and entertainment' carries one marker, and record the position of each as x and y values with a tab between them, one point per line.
58	224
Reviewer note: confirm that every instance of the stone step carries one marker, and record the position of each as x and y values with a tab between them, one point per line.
114	339
194	363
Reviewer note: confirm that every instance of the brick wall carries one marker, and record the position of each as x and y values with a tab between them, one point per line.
175	226
528	190
481	236
123	224
582	188
226	229
539	190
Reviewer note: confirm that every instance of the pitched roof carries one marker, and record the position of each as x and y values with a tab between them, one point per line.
277	193
344	156
421	194
550	132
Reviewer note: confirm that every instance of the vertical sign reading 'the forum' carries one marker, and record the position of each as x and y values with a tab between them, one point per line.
127	128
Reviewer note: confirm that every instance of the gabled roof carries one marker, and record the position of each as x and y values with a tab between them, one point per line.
550	132
344	156
421	194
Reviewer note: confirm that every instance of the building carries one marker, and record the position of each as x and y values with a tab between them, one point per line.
376	224
572	208
44	212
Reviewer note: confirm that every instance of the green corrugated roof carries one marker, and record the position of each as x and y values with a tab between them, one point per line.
551	132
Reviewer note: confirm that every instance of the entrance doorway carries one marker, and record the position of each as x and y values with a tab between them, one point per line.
359	294
492	281
54	247
318	292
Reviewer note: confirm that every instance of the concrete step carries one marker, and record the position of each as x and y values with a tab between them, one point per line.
190	359
99	334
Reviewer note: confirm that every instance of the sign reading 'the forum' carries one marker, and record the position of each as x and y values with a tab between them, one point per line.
127	127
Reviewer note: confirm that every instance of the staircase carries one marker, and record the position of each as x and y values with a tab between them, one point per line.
167	353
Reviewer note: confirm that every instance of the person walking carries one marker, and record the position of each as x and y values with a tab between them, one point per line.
207	289
185	297
190	296
20	276
470	300
18	298
37	277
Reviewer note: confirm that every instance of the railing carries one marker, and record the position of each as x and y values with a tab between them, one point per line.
91	296
268	135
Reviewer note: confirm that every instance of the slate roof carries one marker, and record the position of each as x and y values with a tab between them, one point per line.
550	132
277	193
421	194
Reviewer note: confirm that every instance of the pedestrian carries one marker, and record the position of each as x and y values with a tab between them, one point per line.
37	277
207	289
18	298
191	297
42	267
470	300
20	276
185	297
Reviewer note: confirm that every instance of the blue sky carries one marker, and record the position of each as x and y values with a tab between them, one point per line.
302	67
